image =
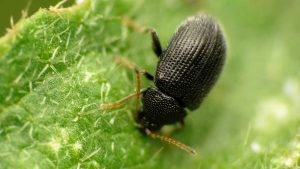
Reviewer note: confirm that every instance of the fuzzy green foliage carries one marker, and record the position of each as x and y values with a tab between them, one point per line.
58	66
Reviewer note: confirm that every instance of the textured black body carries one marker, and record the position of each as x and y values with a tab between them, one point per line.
187	70
190	65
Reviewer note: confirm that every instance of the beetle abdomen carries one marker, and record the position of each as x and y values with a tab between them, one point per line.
192	61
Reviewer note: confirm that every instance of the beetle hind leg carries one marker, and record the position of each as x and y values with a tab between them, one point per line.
156	45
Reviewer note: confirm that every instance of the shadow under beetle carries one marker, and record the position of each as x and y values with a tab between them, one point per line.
186	71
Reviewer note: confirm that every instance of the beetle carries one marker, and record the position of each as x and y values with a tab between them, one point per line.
186	71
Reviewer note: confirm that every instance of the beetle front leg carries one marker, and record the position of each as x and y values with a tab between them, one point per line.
119	103
138	93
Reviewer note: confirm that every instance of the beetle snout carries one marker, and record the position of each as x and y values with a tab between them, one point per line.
142	120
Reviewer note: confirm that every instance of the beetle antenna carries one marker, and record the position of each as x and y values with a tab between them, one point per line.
171	141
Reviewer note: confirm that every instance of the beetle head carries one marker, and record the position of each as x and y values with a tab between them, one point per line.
145	122
159	109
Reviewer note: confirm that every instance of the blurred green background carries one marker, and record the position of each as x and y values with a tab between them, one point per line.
250	119
13	9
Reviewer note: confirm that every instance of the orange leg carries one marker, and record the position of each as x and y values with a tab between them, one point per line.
136	95
117	103
128	22
135	67
138	91
156	45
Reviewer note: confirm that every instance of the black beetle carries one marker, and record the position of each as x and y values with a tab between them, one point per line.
187	70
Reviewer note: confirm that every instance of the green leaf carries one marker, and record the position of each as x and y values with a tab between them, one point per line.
57	67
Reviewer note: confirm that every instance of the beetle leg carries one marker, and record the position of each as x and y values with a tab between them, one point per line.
182	124
156	46
124	100
138	91
117	103
128	22
135	67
